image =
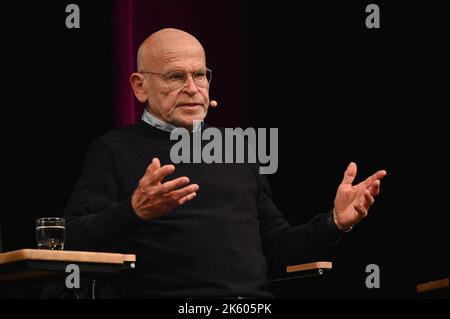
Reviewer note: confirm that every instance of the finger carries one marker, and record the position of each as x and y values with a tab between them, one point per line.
171	185
179	194
375	188
374	177
369	200
350	174
186	198
162	172
362	211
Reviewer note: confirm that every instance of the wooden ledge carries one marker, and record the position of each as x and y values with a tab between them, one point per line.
432	285
65	255
327	265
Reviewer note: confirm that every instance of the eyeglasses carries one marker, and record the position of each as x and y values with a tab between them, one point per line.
177	79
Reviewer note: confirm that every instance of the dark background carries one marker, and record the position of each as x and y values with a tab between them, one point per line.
337	91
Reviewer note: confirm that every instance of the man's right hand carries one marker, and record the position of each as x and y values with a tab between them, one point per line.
152	199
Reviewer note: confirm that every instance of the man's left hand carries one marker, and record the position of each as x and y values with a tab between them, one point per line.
352	202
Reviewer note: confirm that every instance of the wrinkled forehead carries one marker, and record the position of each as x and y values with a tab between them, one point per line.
188	60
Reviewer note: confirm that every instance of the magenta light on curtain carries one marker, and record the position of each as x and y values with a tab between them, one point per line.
124	59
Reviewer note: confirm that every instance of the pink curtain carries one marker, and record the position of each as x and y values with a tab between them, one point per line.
124	51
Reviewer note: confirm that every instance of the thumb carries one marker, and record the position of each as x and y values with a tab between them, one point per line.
156	163
350	174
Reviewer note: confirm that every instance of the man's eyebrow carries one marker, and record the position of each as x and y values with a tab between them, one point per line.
184	70
175	70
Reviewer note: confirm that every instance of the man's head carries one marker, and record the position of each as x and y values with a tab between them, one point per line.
160	84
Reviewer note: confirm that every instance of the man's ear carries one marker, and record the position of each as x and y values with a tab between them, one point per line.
139	86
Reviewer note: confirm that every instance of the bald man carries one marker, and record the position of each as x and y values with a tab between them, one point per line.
198	230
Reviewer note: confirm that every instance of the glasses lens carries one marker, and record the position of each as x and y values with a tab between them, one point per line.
177	79
202	78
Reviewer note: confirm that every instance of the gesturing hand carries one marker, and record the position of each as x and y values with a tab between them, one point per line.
152	198
352	202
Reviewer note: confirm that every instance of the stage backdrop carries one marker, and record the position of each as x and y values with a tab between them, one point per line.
337	91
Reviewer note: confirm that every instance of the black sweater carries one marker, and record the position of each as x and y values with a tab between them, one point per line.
223	243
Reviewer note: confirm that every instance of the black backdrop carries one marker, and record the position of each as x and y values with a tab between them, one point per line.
338	92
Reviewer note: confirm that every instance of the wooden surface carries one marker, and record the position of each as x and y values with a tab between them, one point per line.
310	266
65	255
432	285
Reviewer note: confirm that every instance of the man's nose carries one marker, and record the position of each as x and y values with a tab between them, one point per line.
190	87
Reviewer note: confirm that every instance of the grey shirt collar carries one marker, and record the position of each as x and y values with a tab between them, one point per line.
148	118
